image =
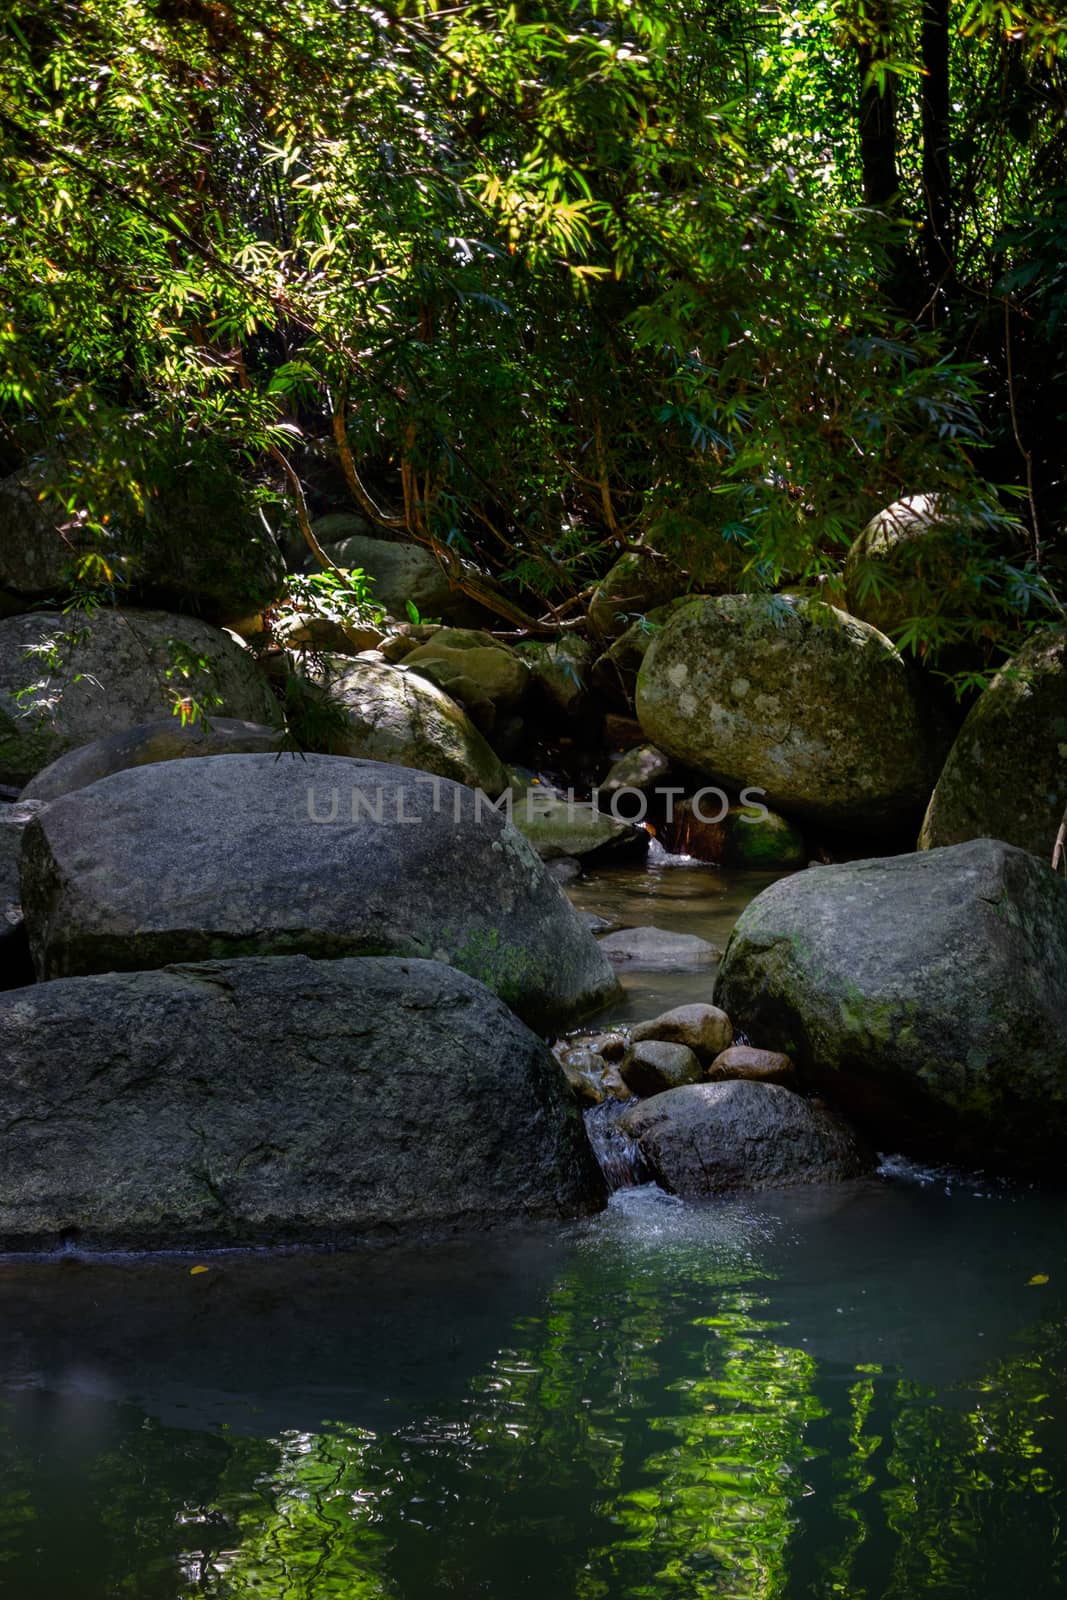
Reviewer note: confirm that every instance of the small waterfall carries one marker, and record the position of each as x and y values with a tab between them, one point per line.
660	856
619	1156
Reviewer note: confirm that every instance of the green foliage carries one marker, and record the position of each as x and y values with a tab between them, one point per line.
550	281
341	597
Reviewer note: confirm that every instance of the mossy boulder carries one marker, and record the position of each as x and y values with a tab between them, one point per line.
559	671
67	680
797	699
263	855
485	676
402	573
1006	774
559	826
926	993
399	716
640	769
277	1100
636	583
748	838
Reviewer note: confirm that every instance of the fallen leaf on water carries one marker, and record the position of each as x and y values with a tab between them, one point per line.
1038	1277
194	1270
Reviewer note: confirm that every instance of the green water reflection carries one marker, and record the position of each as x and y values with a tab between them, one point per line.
657	1422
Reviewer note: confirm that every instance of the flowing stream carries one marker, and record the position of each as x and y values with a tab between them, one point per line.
854	1392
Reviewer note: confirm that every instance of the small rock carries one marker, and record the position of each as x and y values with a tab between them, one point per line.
657	950
705	1029
611	1081
612	1046
639	769
583	1070
652	1067
564	869
758	1066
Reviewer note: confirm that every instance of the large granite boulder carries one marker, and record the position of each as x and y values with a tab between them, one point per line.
927	993
264	855
285	1099
705	1138
1006	774
169	739
397	716
69	680
796	698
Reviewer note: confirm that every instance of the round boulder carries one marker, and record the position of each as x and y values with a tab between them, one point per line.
264	855
69	680
795	698
706	1138
927	993
401	573
908	559
1006	774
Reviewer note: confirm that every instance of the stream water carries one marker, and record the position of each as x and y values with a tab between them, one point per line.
858	1392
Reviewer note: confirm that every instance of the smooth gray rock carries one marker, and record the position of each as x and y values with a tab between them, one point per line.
706	1138
653	1066
657	950
88	676
145	744
796	699
265	1101
1006	774
263	855
927	993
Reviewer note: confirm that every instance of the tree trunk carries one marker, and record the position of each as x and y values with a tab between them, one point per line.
938	242
877	127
